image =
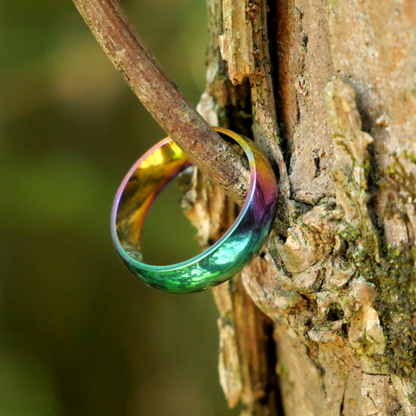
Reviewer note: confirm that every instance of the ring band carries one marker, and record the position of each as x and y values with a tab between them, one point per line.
242	241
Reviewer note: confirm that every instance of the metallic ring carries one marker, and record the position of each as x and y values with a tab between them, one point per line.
242	241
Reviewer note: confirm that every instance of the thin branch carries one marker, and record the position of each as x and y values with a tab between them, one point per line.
162	98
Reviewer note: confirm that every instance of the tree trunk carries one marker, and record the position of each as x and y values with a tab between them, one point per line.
323	321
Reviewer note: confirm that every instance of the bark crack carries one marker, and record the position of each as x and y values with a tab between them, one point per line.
341	408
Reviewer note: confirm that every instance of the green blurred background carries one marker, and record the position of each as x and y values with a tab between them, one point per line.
79	335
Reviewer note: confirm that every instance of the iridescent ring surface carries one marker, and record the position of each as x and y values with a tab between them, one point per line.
242	241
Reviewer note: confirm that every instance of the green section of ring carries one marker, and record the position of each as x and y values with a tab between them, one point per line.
222	260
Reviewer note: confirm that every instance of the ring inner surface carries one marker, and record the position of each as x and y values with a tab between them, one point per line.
151	173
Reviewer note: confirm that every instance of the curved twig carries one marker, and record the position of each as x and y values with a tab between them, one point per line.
162	98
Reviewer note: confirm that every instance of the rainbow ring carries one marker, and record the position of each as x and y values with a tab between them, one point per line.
222	260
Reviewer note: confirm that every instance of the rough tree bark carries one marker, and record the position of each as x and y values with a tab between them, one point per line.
323	321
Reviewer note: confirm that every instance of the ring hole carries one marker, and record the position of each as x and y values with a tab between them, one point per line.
167	236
